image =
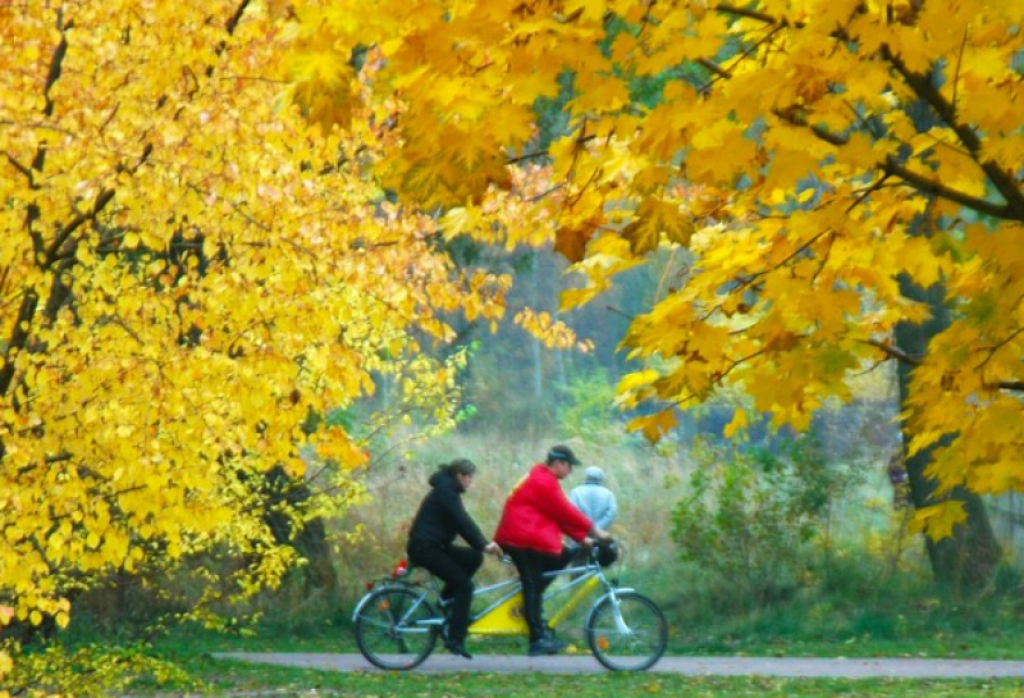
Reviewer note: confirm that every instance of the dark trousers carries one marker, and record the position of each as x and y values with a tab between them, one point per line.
532	565
455	566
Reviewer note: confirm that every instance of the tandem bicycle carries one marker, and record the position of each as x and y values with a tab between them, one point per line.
397	623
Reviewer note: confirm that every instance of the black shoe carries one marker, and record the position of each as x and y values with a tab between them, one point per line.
546	645
457	648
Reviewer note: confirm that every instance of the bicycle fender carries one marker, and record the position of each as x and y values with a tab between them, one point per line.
620	590
366	599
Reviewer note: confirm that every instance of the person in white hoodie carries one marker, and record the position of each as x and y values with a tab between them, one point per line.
594	499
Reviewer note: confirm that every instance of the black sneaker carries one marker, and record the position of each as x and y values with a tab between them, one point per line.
546	645
457	648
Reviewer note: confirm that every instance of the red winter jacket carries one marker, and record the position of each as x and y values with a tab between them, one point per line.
537	513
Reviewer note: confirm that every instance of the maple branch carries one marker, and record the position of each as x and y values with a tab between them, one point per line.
959	63
714	67
620	313
991	351
573	200
527	156
645	21
726	72
541	153
824	259
894	352
543	194
899	354
746	283
795	118
867	192
728	9
930	186
923	87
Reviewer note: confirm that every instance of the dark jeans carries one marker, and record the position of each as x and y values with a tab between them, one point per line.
455	566
532	565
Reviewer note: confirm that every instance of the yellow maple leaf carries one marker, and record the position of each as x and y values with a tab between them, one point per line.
653	218
938	520
738	422
654	426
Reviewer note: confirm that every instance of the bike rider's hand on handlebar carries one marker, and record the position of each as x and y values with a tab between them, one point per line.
595	535
494	549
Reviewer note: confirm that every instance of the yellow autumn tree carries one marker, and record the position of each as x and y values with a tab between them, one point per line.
837	169
190	266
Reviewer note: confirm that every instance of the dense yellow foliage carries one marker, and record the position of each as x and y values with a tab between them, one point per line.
820	151
188	269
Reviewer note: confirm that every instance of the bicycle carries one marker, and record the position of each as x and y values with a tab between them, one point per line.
397	624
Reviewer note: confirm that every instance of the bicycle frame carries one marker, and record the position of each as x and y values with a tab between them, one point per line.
505	616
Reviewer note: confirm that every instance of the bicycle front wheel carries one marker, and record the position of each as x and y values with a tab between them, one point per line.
626	632
393	630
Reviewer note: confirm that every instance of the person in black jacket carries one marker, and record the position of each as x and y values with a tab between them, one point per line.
442	517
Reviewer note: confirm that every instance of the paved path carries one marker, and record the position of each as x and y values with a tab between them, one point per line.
694	666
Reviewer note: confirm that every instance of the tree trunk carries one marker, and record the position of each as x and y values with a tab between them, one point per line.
964	562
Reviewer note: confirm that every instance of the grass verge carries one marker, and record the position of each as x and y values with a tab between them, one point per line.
242	679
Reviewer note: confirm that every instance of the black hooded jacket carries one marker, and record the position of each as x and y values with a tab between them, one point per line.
442	517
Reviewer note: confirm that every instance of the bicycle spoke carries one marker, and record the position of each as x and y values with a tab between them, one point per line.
628	635
393	628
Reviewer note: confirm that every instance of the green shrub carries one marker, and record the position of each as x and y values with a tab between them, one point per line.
759	521
587	407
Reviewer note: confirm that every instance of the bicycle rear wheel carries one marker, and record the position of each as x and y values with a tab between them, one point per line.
392	630
627	634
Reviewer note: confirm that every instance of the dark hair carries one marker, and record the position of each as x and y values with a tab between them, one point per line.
459	466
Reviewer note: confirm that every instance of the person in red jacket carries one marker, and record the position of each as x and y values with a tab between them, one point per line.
536	515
